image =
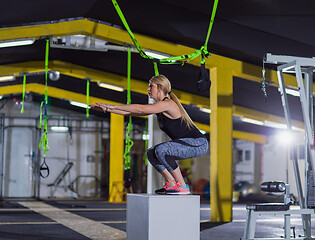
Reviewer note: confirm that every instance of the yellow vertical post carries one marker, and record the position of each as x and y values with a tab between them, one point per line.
116	177
221	125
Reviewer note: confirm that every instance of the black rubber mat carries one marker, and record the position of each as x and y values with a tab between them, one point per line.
38	232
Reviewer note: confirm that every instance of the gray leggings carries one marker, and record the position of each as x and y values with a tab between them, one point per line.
163	156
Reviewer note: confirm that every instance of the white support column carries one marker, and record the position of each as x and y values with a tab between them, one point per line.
156	136
150	144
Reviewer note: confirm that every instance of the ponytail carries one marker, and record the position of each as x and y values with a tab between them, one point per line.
184	115
165	86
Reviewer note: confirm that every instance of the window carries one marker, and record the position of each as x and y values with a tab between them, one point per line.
247	155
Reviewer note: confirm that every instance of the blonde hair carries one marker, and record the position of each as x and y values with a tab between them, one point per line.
164	84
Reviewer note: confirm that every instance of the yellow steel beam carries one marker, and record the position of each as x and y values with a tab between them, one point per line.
80	72
112	34
116	162
221	123
252	137
136	86
260	116
68	95
52	92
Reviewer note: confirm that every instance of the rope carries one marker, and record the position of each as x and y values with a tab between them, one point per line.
23	94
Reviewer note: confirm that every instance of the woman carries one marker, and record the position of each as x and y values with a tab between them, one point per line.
187	141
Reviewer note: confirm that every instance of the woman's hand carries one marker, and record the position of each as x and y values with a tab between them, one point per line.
98	107
105	106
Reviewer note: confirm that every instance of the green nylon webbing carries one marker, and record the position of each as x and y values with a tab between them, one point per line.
214	9
156	69
172	60
128	141
87	97
128	76
46	69
23	94
44	140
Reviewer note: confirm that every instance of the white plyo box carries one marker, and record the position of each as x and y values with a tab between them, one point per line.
167	217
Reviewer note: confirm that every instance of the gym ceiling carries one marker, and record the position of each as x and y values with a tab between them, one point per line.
243	30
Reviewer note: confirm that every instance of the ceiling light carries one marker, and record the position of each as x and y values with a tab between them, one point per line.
7	78
206	110
1	97
298	129
252	121
145	136
59	129
78	104
285	137
292	92
110	86
275	125
17	42
156	55
203	131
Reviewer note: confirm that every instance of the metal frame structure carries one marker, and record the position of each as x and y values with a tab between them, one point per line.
1	153
298	66
253	214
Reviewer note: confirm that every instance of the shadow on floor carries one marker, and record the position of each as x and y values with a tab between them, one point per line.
207	225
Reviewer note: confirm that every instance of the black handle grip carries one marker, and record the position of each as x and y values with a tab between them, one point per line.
273	186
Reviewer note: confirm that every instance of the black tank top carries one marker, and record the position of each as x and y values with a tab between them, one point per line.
177	128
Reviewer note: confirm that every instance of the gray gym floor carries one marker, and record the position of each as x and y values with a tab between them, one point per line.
94	219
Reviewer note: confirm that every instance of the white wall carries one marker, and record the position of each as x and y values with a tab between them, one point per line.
276	163
20	144
244	165
201	167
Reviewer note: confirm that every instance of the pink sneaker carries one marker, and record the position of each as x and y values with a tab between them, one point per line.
178	189
164	188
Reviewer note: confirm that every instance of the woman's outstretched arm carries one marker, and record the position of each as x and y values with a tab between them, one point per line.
136	109
102	108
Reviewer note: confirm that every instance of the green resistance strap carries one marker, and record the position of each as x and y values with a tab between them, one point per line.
87	97
23	94
156	69
128	141
46	69
214	9
172	60
137	44
43	144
